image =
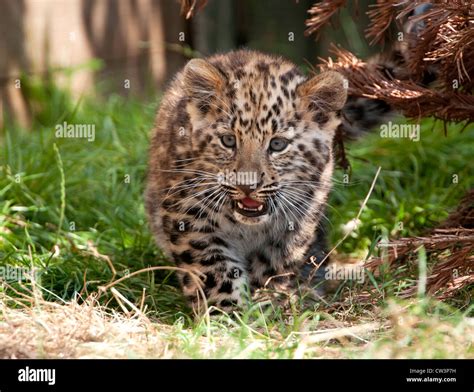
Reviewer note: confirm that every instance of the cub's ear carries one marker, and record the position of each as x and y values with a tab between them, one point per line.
326	91
202	80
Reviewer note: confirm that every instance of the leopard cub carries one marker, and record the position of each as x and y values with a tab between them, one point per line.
240	170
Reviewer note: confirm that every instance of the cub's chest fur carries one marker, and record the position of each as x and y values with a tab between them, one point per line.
240	169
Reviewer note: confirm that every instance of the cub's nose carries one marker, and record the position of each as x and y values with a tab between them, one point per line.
248	181
248	189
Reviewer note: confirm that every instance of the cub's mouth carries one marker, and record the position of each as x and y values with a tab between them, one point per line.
250	208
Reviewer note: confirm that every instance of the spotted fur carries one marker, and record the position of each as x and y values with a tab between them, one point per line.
253	98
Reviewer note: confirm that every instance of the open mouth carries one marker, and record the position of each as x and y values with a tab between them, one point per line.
250	207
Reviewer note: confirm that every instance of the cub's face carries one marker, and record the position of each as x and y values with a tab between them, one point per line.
262	136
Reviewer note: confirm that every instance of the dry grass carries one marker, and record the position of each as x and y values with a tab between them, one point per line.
31	327
73	330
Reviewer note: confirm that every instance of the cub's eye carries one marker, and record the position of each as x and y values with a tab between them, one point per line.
228	141
278	144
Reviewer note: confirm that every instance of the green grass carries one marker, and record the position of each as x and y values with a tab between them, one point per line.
68	204
419	184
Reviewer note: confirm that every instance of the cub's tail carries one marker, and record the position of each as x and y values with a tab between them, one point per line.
361	115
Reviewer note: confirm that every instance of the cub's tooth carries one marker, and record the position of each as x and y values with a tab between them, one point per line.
240	205
260	207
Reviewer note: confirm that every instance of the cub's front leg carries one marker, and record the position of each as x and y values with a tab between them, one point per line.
222	277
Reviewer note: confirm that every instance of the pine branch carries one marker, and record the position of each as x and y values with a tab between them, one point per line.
321	13
413	100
